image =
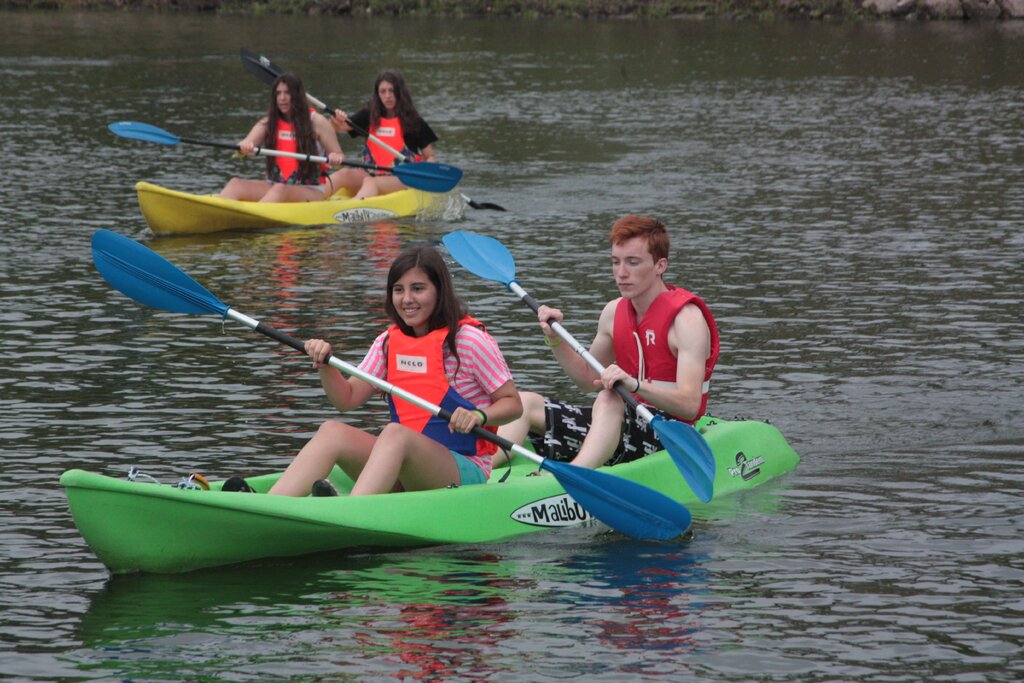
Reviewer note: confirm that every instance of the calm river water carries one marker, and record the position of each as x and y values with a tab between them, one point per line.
848	199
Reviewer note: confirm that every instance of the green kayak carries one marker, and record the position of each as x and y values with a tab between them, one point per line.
136	526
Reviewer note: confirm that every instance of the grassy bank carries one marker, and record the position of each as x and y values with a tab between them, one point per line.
601	9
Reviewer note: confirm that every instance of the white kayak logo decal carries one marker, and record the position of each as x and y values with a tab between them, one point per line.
362	215
746	467
554	511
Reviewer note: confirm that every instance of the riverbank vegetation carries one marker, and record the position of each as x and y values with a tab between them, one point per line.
588	9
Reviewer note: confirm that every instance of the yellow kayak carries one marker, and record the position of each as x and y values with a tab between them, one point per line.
169	212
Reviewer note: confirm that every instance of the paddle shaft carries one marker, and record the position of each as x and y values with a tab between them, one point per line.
278	153
619	387
383	385
399	155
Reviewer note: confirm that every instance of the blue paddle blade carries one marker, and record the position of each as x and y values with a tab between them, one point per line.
428	176
141	274
143	131
690	452
611	500
483	256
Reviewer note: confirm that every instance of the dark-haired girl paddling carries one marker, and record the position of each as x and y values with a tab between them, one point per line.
435	350
391	117
289	126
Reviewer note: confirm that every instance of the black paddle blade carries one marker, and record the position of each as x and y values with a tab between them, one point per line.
259	66
491	206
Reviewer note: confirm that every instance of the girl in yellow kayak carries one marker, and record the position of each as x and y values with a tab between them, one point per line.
433	349
289	126
391	118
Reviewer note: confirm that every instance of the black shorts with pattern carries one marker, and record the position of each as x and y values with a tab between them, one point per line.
566	425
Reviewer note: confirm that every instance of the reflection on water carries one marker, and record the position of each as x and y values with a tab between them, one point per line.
429	616
846	198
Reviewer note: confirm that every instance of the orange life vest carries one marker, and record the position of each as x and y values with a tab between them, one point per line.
416	364
285	169
388	131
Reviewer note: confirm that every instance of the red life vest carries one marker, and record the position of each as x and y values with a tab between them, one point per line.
285	169
388	131
416	364
641	347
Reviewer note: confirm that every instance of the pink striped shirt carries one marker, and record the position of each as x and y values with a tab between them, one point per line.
482	370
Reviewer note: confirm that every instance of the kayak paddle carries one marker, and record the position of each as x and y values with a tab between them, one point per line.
488	258
150	279
268	72
423	175
262	68
399	156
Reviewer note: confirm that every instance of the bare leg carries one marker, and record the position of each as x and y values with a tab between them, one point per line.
279	192
245	190
334	443
349	179
532	420
605	429
400	454
378	185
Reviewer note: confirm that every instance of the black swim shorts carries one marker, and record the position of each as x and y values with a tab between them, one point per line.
565	426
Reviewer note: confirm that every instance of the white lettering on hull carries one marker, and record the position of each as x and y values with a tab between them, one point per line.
555	511
362	215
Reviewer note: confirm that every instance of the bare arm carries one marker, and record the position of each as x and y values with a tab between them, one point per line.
428	153
328	138
254	138
601	347
339	122
505	407
344	394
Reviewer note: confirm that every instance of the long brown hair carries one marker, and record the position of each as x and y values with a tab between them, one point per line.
302	123
405	110
448	311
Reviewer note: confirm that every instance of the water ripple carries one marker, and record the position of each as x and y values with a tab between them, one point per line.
846	198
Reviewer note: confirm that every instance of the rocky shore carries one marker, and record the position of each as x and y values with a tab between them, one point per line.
764	10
